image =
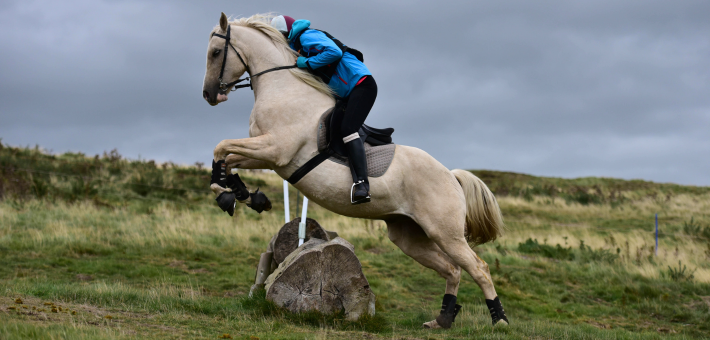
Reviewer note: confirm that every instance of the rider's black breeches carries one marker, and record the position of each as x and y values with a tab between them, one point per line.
360	101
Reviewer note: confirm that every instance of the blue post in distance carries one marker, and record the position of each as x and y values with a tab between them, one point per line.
656	235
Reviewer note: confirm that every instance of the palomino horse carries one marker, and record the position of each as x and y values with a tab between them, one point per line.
432	213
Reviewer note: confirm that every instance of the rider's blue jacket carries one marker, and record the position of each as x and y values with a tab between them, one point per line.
321	50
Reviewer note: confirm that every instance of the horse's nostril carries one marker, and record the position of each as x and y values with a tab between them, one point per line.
206	95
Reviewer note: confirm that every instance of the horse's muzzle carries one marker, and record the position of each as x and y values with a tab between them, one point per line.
220	97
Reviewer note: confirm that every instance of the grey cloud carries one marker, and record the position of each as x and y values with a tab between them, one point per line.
585	88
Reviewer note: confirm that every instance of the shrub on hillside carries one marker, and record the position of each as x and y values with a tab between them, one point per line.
558	252
111	180
587	254
679	274
694	229
582	196
585	191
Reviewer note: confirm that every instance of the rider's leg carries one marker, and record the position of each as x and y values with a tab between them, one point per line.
360	190
360	102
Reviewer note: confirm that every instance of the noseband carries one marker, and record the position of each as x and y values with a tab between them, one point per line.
224	87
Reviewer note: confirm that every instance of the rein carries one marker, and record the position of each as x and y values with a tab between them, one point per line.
224	87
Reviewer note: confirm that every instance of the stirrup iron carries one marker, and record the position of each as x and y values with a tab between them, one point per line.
362	200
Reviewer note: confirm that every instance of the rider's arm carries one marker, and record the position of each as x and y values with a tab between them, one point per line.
314	41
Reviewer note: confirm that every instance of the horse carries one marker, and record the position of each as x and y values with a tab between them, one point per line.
433	214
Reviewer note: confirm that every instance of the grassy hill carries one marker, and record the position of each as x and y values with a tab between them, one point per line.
133	249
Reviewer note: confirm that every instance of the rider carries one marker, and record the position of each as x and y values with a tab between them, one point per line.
348	77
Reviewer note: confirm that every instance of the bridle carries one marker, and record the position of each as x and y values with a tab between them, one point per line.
224	87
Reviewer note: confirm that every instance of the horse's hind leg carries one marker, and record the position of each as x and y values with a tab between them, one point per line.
410	237
451	240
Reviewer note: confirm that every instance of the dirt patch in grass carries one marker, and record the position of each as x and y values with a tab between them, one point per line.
706	299
233	293
84	277
376	250
161	327
599	324
199	271
34	310
177	264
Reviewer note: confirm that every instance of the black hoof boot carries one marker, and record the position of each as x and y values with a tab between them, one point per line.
359	193
449	310
497	312
259	201
226	202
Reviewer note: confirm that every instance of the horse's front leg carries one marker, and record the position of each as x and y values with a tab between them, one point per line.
240	162
258	153
234	161
259	148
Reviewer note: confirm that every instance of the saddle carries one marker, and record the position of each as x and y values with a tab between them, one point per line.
329	127
379	149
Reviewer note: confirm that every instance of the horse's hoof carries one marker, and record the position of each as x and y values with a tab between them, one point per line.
431	325
501	323
259	201
226	202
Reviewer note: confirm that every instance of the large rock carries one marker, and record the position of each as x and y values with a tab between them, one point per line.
325	276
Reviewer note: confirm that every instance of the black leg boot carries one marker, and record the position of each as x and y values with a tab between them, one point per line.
497	312
360	191
449	310
225	200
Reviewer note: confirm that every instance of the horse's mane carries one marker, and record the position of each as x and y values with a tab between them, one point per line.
262	23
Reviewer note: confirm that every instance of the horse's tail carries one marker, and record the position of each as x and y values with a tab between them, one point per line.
484	221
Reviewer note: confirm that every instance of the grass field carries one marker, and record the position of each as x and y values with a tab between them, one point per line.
104	247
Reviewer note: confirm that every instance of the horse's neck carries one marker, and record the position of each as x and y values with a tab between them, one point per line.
281	100
283	91
284	106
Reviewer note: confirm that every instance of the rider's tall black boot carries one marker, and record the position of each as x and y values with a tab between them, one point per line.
360	191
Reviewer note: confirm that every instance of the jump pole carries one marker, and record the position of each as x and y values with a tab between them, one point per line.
302	225
286	212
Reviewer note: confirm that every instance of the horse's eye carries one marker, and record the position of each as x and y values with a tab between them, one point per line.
216	53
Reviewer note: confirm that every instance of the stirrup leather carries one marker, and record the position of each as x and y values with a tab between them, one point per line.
351	192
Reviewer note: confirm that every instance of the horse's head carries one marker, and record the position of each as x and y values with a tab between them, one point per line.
252	45
223	61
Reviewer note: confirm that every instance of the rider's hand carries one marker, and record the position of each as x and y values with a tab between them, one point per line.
301	62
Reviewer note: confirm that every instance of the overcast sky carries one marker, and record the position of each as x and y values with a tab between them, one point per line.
552	88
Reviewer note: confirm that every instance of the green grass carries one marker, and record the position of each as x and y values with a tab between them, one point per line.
146	245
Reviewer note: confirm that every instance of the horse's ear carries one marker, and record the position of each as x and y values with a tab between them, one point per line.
223	22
